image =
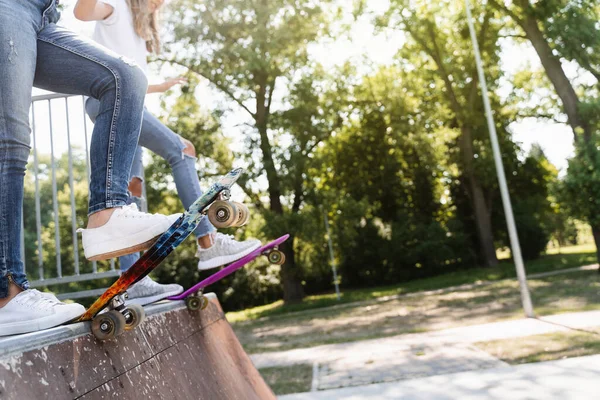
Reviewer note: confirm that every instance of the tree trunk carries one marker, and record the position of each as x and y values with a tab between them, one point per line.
483	221
261	117
556	74
596	233
293	291
483	218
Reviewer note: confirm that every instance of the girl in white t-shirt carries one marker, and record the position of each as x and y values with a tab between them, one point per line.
130	29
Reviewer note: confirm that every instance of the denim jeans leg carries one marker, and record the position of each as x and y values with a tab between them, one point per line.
70	64
159	139
137	167
19	23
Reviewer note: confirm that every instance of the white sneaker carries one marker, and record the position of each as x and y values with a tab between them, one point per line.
127	231
147	291
224	250
49	295
31	311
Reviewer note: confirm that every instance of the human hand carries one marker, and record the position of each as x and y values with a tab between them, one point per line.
169	83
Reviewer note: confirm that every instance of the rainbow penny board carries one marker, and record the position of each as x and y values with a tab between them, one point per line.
164	245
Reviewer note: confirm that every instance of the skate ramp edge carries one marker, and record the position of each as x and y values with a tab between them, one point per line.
174	354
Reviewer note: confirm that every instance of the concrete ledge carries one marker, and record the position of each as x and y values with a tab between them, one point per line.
175	354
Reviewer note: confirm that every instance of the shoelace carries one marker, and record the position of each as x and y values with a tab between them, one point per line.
146	283
221	237
225	241
35	300
131	211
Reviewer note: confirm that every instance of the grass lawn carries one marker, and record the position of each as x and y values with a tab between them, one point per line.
290	379
548	347
569	257
284	330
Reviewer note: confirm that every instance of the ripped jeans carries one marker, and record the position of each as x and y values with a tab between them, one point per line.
34	51
159	139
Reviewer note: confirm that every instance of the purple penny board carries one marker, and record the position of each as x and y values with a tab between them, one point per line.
231	268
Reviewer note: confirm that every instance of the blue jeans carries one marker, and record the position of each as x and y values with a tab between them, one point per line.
34	51
159	139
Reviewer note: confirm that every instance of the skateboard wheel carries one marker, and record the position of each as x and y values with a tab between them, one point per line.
108	325
136	316
276	257
243	214
222	214
204	302
193	303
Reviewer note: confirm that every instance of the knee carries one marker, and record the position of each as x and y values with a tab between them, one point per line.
92	108
189	148
135	187
139	79
15	152
127	78
133	79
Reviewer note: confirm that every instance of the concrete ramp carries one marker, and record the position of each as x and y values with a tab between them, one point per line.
174	354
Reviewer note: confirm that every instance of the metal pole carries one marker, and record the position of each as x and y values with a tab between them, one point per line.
72	193
54	194
333	267
510	219
38	214
87	162
23	239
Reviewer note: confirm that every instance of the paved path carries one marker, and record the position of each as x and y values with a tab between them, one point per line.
395	364
407	357
574	378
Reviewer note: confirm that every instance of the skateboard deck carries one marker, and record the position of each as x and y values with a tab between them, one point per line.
191	293
163	246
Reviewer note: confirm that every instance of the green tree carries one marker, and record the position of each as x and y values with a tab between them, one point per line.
530	182
439	43
382	175
244	49
568	29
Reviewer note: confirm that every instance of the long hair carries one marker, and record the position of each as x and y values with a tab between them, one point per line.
145	24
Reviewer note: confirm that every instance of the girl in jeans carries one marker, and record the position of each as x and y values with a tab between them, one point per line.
129	28
34	51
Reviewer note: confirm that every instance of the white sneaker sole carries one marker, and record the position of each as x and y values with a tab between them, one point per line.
94	256
142	301
222	260
50	321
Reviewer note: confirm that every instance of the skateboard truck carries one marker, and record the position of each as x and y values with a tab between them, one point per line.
197	301
118	318
225	195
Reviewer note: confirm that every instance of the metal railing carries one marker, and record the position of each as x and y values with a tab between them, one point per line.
48	119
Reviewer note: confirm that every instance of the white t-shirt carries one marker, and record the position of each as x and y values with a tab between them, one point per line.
117	34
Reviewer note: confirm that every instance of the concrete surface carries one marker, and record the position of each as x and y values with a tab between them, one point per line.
406	357
569	379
